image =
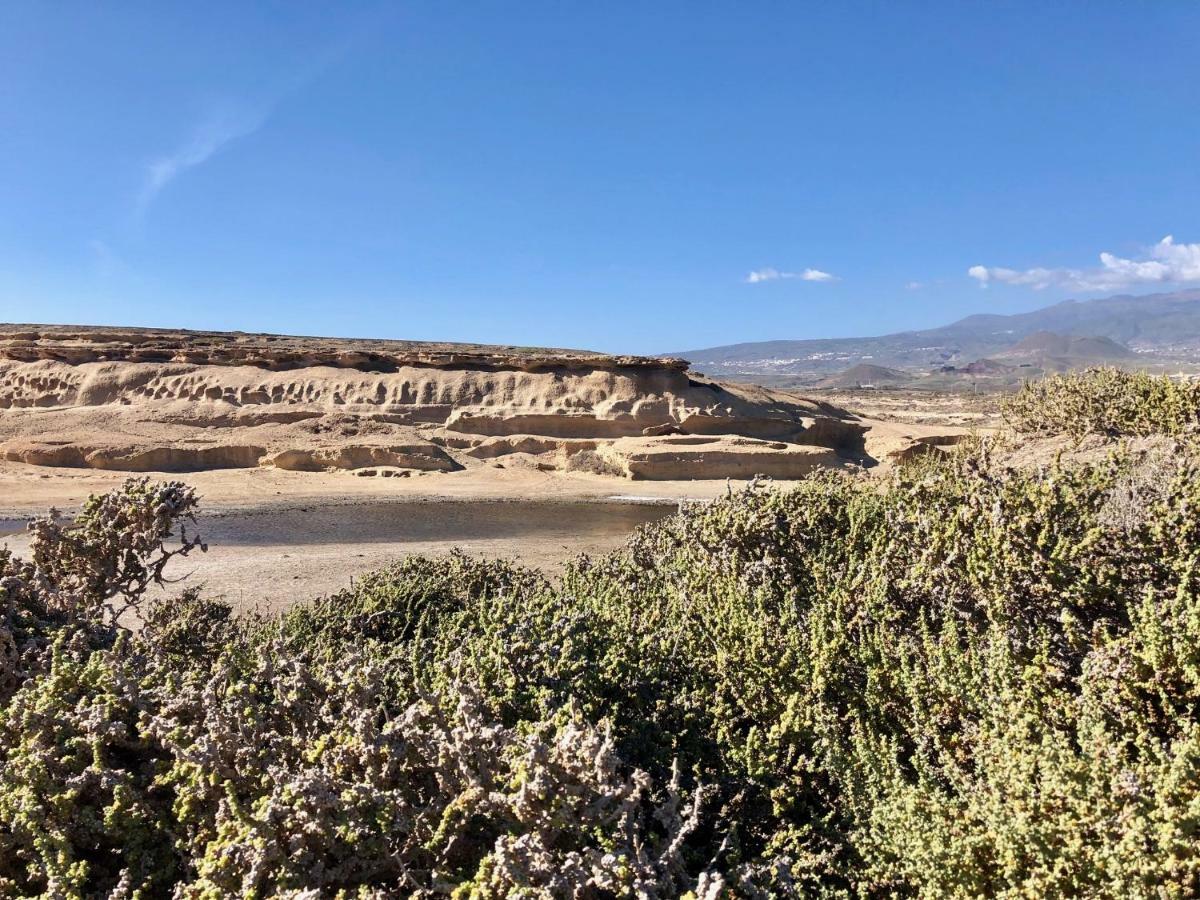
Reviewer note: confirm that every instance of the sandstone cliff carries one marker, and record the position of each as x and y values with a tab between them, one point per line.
175	401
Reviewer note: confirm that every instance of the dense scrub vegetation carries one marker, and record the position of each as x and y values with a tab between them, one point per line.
1105	401
963	681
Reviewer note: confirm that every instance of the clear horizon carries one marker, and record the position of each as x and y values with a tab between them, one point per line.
620	178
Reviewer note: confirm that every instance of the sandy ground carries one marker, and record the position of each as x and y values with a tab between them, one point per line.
269	558
915	407
279	537
30	490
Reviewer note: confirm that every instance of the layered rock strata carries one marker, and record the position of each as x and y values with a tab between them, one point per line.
168	401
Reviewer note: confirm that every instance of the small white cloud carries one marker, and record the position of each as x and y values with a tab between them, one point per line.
768	274
817	275
760	275
980	274
914	285
1168	263
218	129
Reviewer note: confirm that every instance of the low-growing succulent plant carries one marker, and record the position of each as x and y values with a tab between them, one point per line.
958	680
1107	401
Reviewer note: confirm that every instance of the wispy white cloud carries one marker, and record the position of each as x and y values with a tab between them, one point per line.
758	276
213	133
914	285
225	123
1167	263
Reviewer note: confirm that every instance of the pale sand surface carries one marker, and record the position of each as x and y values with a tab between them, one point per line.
30	490
276	538
269	559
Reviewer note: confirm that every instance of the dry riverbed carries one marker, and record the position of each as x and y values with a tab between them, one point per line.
276	538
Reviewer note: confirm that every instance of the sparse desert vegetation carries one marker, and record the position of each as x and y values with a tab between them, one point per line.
959	679
1105	401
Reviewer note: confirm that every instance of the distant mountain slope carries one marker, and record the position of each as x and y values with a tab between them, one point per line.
1148	329
867	374
1154	321
1043	345
988	368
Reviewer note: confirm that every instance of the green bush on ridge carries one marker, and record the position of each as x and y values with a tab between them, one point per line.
960	680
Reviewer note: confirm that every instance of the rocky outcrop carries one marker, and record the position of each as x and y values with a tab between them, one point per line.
685	458
529	443
77	344
181	401
132	458
426	457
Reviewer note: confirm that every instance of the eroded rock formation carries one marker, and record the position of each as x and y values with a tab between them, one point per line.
152	400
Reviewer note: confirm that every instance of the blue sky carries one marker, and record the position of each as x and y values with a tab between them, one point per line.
621	176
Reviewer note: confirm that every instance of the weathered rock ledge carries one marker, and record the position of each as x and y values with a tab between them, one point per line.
173	401
86	343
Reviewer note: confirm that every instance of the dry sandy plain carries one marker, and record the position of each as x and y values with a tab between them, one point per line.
318	460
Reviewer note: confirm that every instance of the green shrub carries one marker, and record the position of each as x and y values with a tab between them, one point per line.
1105	401
957	681
79	811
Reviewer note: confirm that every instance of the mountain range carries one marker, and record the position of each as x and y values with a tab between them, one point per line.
1156	331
